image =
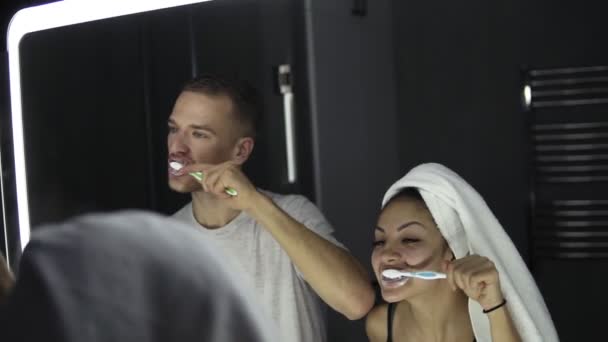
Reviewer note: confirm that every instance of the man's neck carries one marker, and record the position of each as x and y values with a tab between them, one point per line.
210	212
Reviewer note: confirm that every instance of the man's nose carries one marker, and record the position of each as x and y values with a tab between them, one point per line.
177	144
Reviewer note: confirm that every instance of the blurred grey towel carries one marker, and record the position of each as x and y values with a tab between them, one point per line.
129	276
469	226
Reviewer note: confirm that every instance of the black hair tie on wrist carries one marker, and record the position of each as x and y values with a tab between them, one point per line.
504	301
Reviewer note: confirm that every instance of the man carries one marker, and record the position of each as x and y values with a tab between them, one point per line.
127	276
280	245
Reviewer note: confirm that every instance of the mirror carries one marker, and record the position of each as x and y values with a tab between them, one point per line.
92	88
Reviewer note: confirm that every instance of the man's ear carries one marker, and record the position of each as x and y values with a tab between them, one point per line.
243	149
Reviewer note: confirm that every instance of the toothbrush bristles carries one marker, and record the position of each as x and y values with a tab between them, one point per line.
176	166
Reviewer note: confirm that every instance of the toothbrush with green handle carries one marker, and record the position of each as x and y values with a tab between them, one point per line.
199	176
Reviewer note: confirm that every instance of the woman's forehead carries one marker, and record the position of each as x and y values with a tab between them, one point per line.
404	207
402	211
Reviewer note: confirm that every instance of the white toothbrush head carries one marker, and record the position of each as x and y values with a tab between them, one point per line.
392	273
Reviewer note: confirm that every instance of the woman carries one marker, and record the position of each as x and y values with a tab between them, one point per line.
433	220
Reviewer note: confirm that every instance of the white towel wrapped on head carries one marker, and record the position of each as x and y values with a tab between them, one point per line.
470	227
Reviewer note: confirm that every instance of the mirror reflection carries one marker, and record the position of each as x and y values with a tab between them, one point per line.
268	134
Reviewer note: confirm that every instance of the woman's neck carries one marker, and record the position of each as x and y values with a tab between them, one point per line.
210	212
442	315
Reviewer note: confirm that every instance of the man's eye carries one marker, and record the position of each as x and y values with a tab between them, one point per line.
197	134
172	129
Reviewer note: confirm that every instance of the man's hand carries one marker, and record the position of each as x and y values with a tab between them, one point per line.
218	178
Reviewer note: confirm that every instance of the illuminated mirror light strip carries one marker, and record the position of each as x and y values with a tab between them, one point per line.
8	257
57	14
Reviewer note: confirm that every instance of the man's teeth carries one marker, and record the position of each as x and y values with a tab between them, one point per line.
175	165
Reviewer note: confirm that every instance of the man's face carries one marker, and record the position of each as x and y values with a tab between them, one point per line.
202	129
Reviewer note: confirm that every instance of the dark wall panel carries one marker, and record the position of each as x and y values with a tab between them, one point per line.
458	92
84	120
355	128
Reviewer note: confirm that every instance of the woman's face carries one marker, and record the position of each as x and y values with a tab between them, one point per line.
406	238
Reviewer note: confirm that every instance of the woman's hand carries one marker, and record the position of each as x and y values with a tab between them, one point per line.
478	278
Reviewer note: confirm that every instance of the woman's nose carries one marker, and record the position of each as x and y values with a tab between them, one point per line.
390	255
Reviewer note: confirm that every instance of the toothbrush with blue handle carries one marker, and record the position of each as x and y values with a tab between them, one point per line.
427	275
199	176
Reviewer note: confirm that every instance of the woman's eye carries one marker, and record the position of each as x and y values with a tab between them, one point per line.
410	241
172	129
378	243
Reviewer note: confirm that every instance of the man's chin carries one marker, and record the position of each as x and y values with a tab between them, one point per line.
184	188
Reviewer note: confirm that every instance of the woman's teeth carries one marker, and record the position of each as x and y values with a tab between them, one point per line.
393	283
393	278
392	273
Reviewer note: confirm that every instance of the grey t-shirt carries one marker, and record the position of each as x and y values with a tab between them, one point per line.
128	276
281	291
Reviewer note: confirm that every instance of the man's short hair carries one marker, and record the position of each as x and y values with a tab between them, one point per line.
243	95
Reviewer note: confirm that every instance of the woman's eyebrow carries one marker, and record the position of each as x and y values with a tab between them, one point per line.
403	226
408	224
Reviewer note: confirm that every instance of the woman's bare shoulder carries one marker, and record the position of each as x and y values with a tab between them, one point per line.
375	323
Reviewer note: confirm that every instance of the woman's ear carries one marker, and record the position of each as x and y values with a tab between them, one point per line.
243	149
448	255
